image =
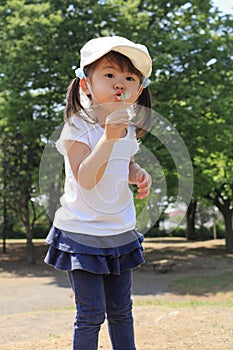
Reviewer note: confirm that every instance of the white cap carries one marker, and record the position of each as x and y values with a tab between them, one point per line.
137	53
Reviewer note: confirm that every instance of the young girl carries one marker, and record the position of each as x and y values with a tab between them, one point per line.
93	236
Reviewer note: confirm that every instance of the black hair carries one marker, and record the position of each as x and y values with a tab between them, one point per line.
142	106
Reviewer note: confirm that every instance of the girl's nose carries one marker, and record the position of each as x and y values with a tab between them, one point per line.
119	85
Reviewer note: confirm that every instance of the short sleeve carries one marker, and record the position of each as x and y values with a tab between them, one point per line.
76	129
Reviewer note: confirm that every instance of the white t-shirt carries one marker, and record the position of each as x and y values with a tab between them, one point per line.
108	208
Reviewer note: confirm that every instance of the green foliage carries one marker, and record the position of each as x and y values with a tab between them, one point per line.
191	47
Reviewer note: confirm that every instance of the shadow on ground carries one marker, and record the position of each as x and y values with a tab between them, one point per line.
14	263
198	268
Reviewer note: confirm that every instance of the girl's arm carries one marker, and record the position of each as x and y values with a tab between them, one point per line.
141	178
88	167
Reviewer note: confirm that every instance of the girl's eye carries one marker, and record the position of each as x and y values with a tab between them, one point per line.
109	75
130	78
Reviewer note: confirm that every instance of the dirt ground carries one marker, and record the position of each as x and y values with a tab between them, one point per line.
37	307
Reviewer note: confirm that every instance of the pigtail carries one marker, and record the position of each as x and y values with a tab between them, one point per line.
73	104
143	110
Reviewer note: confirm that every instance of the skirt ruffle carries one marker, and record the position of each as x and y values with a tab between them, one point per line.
65	254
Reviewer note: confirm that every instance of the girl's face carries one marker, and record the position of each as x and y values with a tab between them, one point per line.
109	83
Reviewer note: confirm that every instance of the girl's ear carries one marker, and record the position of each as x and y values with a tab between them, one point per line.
83	85
140	90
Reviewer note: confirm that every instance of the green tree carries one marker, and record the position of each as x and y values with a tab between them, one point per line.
40	43
190	46
28	107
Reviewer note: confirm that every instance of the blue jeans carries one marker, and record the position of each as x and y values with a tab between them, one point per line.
97	296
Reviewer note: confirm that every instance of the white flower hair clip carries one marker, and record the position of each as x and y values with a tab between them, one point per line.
79	73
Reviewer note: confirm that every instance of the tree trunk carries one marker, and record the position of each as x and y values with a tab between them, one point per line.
214	230
229	231
5	225
54	195
30	248
227	215
191	234
25	217
224	207
31	256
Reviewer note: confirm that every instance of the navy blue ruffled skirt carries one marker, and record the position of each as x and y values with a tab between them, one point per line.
67	254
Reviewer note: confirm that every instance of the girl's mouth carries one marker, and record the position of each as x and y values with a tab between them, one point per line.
118	98
122	97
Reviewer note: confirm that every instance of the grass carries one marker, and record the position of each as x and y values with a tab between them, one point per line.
182	304
203	285
190	304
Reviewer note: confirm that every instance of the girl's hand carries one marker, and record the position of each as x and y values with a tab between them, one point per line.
143	183
115	123
141	178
